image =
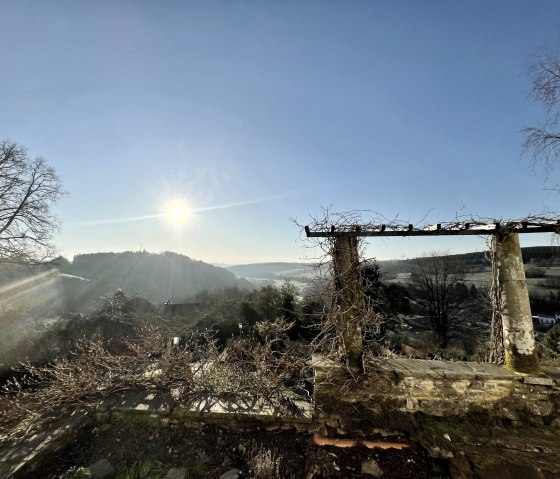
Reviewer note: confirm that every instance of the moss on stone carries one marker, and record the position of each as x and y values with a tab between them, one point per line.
523	363
130	419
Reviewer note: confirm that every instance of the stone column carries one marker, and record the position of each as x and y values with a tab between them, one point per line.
517	323
349	298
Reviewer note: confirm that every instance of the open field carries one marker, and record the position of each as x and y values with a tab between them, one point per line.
482	279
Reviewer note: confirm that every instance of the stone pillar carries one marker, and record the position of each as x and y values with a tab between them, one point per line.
517	323
349	298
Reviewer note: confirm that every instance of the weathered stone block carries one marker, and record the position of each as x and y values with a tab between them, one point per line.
102	469
371	468
176	473
231	474
538	380
539	408
461	387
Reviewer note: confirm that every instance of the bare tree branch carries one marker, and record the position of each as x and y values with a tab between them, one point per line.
27	190
542	142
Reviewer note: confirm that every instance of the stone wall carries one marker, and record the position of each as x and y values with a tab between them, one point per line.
477	416
437	388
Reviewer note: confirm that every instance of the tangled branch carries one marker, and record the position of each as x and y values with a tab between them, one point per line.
243	371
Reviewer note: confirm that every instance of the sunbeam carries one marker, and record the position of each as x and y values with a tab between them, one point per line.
177	211
118	220
19	299
25	282
236	204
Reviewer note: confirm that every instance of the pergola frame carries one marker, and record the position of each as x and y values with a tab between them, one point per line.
517	325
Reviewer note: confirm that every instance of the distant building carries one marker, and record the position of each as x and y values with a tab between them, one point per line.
546	321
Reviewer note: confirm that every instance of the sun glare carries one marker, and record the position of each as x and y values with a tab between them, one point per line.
177	213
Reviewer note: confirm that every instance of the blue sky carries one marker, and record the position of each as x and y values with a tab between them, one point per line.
255	112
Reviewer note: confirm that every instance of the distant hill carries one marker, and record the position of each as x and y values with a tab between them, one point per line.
30	292
49	290
535	255
273	273
156	277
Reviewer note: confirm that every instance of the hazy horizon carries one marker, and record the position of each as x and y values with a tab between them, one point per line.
309	260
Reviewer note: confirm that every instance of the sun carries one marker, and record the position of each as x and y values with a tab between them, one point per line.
177	212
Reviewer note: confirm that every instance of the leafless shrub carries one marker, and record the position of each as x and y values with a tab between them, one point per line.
273	331
244	371
549	347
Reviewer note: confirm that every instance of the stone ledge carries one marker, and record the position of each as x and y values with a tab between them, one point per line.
435	388
26	456
241	410
151	402
539	381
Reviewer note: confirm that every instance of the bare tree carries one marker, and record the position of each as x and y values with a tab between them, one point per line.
542	142
434	282
28	187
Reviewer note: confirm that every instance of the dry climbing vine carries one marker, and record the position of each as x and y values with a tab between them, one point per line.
495	350
335	284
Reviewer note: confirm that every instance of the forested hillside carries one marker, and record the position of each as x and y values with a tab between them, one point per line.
52	289
157	277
